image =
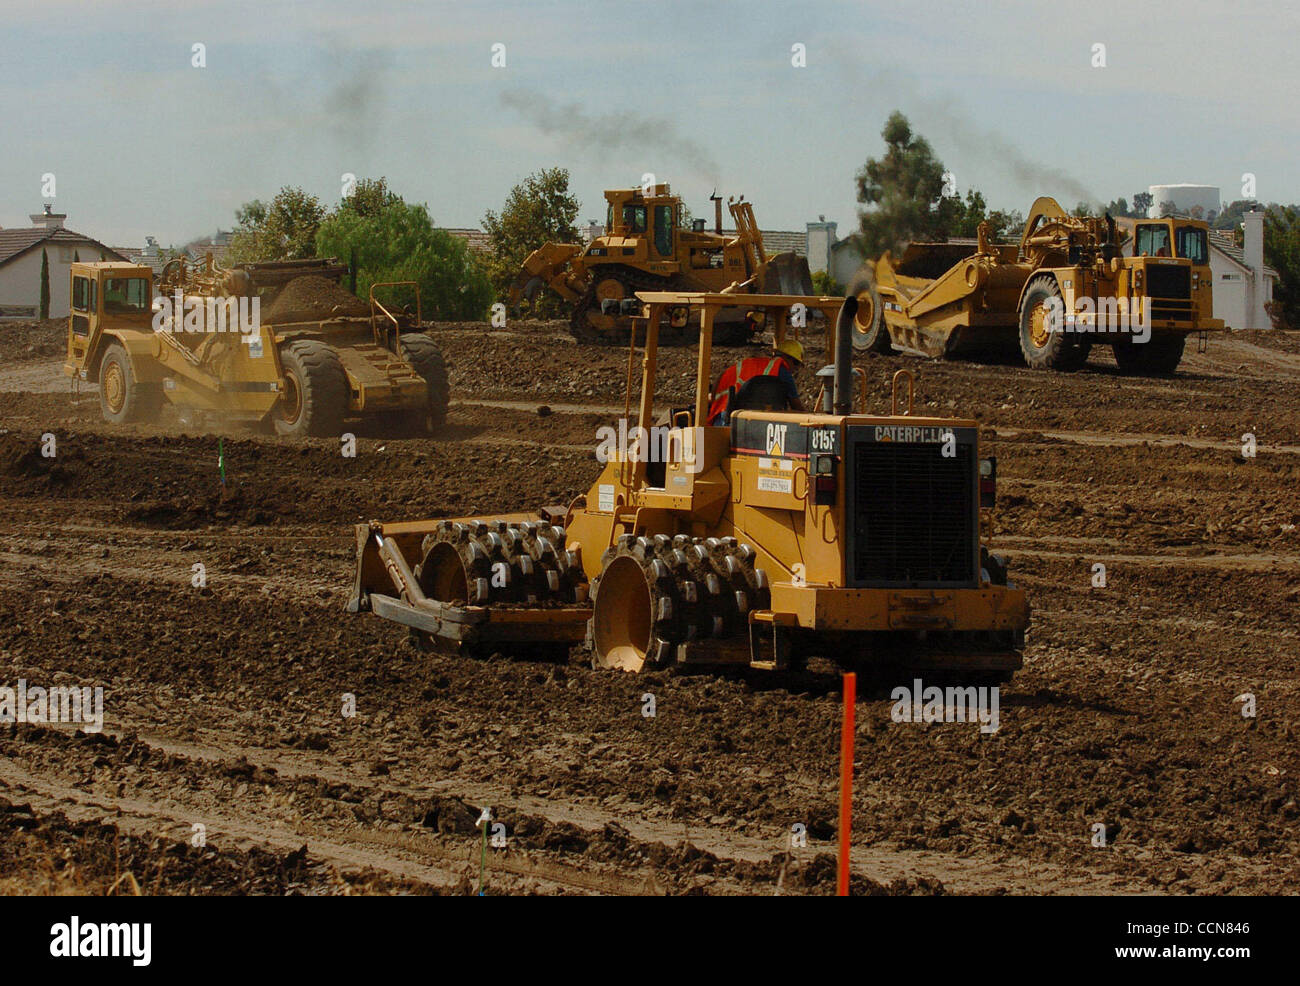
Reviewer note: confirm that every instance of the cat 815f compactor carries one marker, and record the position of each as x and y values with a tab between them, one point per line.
778	536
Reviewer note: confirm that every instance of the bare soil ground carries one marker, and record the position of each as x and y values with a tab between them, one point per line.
223	704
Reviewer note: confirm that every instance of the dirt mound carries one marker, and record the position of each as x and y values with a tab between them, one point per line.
33	340
21	459
310	298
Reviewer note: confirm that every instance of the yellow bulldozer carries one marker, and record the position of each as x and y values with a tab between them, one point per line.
1140	286
278	345
644	248
758	542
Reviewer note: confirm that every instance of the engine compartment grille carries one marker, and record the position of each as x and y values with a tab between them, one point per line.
913	514
1169	281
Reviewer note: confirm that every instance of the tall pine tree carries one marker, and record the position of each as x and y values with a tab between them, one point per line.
45	284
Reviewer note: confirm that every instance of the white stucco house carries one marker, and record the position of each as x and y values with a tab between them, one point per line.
1243	283
841	258
20	263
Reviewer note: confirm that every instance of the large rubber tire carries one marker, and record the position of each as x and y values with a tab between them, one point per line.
315	391
121	398
423	354
870	334
1159	356
1043	349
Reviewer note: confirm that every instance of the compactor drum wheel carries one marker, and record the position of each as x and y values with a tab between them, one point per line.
121	398
622	627
655	593
486	563
425	356
1158	356
1043	346
314	391
869	329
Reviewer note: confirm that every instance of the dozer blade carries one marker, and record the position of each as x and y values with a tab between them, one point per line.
787	273
547	266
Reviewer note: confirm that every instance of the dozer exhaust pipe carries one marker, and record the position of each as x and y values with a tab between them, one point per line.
843	400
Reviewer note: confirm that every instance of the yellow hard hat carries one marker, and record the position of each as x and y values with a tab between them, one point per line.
792	348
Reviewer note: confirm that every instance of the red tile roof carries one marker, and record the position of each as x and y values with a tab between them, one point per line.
475	239
15	242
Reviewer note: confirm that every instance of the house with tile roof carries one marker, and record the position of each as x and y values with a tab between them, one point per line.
217	245
476	240
149	255
20	263
841	258
1243	283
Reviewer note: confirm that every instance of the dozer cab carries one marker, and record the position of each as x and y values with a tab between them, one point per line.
1139	286
780	535
644	248
281	345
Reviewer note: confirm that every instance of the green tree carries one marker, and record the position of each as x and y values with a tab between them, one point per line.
824	284
45	284
284	229
1282	252
537	211
964	218
1141	203
903	191
394	240
1006	225
906	189
370	197
1229	216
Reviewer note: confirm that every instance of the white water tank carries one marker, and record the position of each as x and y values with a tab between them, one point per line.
1187	199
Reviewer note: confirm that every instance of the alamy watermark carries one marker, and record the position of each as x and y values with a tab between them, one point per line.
83	706
1101	315
660	443
204	313
952	704
76	939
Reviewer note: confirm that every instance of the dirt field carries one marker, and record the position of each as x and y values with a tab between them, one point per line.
223	704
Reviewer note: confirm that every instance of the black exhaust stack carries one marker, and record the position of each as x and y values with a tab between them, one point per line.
843	399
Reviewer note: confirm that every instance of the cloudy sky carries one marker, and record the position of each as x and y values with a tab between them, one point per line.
702	94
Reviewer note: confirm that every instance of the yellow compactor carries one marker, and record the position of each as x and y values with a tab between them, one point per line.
761	542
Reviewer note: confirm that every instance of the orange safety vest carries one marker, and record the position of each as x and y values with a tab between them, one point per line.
734	376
